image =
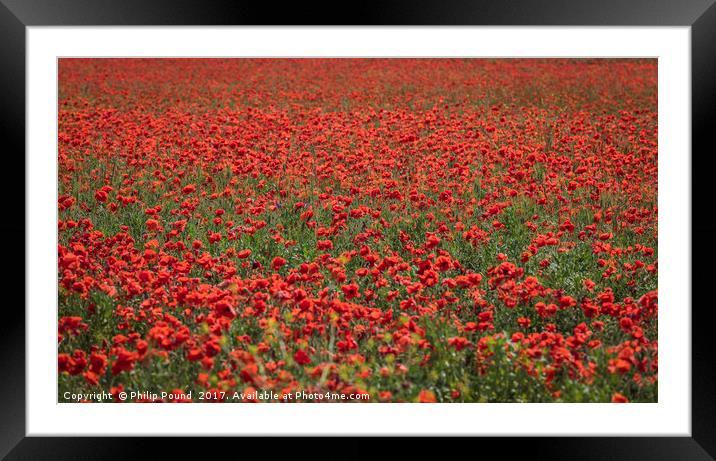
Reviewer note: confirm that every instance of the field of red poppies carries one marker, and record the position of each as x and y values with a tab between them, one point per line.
382	230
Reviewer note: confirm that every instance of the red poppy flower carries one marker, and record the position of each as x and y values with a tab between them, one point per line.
277	262
301	357
618	398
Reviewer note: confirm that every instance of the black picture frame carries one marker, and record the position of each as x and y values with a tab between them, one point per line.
700	15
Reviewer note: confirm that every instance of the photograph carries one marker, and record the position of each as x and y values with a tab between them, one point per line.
357	230
473	205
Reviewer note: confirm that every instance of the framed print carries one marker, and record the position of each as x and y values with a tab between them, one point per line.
418	221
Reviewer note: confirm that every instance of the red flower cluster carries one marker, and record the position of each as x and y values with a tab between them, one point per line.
416	230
